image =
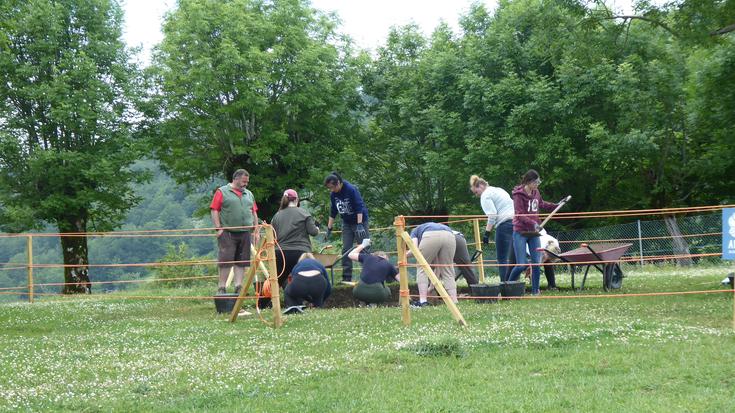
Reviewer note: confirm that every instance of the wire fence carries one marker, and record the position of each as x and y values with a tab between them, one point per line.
117	259
693	235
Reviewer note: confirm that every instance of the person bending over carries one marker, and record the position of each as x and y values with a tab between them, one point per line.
437	244
498	206
309	282
463	260
376	271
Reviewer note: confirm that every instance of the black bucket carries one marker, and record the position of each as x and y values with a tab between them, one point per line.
512	288
484	290
225	302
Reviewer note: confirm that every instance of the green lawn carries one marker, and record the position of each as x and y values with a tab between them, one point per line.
606	354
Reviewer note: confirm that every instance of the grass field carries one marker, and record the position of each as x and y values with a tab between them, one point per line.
670	353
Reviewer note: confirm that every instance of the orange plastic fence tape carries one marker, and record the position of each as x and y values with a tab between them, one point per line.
132	297
586	296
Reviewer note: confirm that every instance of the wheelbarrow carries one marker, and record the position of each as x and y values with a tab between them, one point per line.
330	260
603	256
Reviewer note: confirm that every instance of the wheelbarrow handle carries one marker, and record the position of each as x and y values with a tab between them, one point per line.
585	245
553	254
475	255
324	248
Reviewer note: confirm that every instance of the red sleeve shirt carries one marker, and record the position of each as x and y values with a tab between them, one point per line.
216	201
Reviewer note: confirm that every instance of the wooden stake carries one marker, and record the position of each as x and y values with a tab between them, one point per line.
478	246
270	244
30	267
255	262
400	224
260	266
434	280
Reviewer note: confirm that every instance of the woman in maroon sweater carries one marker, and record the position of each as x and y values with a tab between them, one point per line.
526	203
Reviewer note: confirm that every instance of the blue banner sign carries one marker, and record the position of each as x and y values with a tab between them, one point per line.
728	234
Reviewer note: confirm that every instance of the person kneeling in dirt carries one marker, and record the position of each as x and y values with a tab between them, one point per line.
376	271
309	282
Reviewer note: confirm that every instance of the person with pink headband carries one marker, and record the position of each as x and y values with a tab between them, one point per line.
293	226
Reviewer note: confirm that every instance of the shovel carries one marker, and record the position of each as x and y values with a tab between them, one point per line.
531	234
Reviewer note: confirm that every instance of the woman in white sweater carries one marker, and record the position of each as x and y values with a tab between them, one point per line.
498	206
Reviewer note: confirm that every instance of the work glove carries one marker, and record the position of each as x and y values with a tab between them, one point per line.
366	242
328	234
486	237
360	231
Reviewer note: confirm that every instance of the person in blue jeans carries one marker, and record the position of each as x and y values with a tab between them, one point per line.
526	203
346	201
498	206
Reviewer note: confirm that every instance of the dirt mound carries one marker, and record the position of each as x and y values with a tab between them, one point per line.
342	295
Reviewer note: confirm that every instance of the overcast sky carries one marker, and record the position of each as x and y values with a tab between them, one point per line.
366	21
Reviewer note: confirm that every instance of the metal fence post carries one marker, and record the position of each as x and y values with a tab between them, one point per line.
29	241
640	241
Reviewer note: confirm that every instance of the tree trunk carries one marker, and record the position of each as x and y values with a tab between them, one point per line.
681	247
75	253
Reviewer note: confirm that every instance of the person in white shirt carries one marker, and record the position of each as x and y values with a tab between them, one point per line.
498	206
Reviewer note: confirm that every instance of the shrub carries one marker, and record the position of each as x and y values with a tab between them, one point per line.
179	253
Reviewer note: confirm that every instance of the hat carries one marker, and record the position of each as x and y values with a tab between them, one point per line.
290	193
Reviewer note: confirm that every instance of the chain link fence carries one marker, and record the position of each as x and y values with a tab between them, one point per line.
652	244
653	240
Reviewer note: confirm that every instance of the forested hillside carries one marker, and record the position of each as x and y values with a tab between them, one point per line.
163	205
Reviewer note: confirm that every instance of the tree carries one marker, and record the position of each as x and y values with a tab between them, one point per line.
692	21
67	92
518	113
711	114
263	85
416	133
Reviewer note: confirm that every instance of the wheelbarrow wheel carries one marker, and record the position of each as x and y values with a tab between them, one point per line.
613	277
617	277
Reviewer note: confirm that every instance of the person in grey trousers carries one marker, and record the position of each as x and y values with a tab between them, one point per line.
462	259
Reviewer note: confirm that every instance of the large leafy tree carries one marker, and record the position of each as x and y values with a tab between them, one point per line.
519	115
608	109
263	85
710	116
416	130
67	91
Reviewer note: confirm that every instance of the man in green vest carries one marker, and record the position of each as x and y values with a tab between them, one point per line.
235	215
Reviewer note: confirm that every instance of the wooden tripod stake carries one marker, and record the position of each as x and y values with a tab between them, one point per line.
272	277
434	280
400	224
478	247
